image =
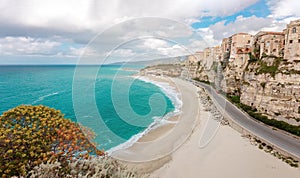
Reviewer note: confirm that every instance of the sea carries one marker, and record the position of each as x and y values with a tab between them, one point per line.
117	106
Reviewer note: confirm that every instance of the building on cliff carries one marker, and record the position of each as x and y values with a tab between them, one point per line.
240	43
269	44
225	49
193	63
271	84
292	39
211	56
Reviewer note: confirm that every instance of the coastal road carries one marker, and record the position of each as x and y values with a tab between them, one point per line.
279	139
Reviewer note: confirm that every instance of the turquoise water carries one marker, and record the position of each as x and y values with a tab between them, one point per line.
106	99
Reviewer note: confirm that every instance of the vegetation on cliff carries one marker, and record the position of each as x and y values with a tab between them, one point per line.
262	118
34	135
271	69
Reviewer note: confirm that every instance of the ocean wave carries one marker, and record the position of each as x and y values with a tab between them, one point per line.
158	121
45	96
169	90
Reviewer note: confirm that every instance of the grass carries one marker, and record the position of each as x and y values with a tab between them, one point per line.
272	69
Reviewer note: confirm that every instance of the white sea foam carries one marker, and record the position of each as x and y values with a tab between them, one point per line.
45	96
169	90
158	121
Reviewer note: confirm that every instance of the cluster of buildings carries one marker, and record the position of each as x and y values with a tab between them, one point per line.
228	68
284	44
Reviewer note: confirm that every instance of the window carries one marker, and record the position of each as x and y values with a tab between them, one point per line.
294	30
298	40
291	41
274	50
276	41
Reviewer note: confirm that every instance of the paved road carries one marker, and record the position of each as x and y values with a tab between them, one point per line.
285	142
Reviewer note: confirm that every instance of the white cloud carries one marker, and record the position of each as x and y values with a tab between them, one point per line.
282	12
198	45
162	47
27	46
123	53
77	52
154	44
76	22
97	15
250	25
208	36
282	9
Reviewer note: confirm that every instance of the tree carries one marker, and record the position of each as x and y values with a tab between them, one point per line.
31	135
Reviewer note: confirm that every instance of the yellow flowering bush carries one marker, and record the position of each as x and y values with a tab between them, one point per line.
31	135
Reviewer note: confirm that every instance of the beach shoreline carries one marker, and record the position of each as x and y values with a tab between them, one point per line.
159	143
160	125
228	152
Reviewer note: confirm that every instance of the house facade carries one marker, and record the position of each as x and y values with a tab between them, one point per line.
292	41
268	43
240	43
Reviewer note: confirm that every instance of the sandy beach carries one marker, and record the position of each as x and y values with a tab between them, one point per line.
164	140
172	150
227	155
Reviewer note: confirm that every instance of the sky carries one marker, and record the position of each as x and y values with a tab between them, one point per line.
102	31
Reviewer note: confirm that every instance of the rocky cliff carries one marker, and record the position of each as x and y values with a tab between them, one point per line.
233	73
272	86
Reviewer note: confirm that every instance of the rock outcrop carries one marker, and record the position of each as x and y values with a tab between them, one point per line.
272	86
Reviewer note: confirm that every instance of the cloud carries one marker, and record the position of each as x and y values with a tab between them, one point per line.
250	25
49	26
93	15
124	53
282	9
163	48
199	44
27	46
77	52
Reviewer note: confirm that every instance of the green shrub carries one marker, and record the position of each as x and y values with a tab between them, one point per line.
272	69
31	135
252	58
275	123
264	119
234	99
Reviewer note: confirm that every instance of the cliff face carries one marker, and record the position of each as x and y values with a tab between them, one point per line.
272	86
233	74
202	70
